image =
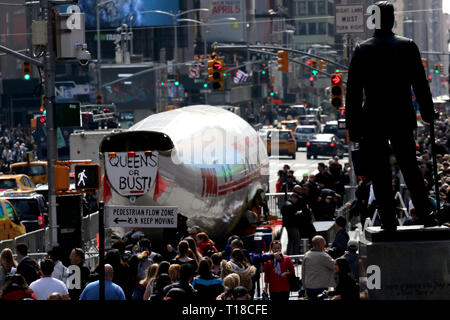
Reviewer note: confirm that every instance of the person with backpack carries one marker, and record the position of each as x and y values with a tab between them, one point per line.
27	266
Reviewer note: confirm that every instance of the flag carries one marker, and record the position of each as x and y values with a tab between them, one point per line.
240	76
159	187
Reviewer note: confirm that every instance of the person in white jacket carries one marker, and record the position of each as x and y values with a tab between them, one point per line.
60	272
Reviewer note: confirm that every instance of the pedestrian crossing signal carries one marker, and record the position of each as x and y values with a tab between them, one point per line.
87	176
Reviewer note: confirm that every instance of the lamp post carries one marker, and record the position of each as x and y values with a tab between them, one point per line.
175	19
99	52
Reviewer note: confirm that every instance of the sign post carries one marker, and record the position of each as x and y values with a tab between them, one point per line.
101	249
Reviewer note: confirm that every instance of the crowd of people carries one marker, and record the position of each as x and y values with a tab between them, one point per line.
15	143
194	270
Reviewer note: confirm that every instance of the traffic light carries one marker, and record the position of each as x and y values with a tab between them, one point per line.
322	65
311	81
62	180
336	90
436	69
308	63
42	108
424	63
314	64
283	61
216	70
99	98
441	67
176	78
26	67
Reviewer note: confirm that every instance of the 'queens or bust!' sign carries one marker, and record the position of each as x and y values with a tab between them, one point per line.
131	173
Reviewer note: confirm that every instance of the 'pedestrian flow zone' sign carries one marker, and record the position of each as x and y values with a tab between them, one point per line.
143	217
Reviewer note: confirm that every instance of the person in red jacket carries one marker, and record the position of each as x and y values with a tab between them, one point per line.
276	272
205	245
16	288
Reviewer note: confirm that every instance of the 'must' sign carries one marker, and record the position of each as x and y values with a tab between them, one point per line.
131	173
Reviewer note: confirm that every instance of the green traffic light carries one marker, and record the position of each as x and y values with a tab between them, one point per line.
337	70
272	94
205	85
436	71
315	72
27	76
224	74
177	83
263	72
162	84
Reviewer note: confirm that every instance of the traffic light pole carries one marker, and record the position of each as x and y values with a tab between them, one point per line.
52	151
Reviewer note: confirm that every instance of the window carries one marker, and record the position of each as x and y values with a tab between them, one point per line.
312	28
301	8
330	29
301	29
312	8
330	9
322	28
11	213
321	7
8	184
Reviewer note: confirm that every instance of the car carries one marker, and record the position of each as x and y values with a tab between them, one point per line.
299	109
330	127
36	170
19	182
30	206
324	144
10	224
289	124
283	141
310	120
303	134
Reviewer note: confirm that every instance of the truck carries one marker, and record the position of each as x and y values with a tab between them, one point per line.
84	144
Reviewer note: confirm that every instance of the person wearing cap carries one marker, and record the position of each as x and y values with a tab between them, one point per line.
341	239
351	256
305	177
290	223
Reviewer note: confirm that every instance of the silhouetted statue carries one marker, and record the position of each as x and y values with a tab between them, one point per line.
379	110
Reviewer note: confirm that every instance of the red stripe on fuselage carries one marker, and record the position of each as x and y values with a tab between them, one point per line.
226	186
243	185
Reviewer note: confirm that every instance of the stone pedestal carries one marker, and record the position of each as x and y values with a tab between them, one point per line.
412	264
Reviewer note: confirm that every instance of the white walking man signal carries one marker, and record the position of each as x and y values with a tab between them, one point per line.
81	177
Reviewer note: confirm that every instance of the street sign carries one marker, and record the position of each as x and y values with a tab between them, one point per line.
194	72
131	173
87	176
68	114
142	217
349	19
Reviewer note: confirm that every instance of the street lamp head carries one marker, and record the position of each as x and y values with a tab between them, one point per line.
104	2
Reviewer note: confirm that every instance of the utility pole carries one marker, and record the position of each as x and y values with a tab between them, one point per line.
52	151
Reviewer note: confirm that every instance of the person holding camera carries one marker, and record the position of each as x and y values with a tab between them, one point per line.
276	273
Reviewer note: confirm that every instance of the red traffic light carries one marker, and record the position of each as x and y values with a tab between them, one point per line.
308	62
336	79
311	78
217	66
42	120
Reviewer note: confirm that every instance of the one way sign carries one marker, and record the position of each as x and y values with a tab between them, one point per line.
143	217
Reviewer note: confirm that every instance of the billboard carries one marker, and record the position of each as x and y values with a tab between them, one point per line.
116	12
219	29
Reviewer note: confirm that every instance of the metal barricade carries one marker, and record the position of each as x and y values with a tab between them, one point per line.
275	201
7	244
89	227
36	241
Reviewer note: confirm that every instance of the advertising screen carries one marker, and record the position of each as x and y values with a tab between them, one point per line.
114	13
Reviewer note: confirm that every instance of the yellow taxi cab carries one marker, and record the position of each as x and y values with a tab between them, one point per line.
289	124
36	170
10	224
281	142
19	182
